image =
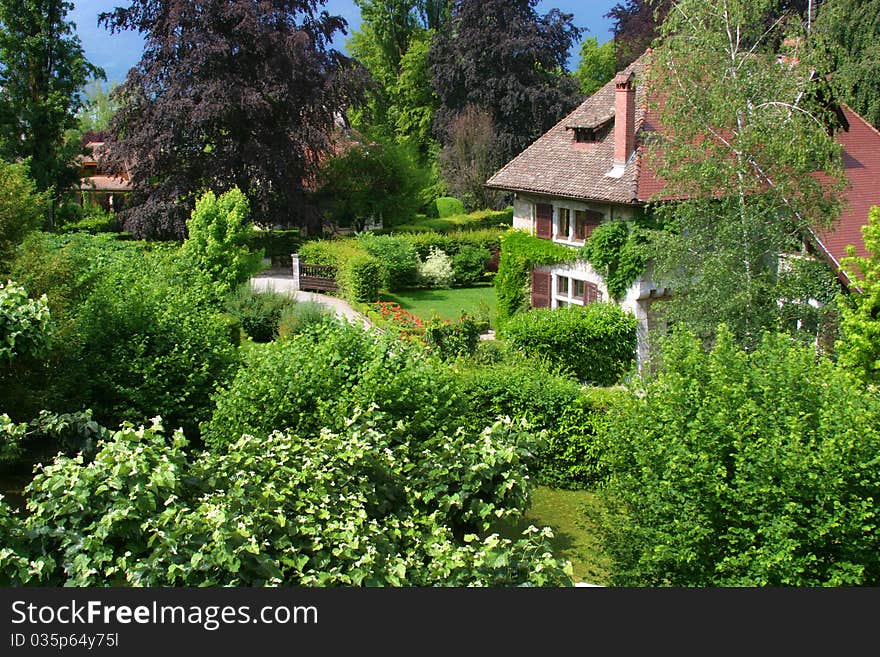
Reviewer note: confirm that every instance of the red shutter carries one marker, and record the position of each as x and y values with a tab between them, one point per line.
544	216
540	289
591	293
593	220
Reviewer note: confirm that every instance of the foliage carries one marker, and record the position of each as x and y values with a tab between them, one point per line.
148	338
445	206
615	249
849	30
194	118
90	219
218	242
732	468
348	508
334	252
378	180
859	346
392	43
98	107
554	405
504	58
452	339
743	140
597	65
479	220
520	254
24	323
258	313
300	317
469	264
22	207
596	342
436	270
11	436
316	378
398	256
277	245
361	277
42	68
811	297
471	154
635	26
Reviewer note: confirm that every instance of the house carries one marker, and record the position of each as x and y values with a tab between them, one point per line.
98	186
589	169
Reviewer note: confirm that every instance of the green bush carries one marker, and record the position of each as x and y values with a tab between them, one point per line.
554	405
91	219
22	208
335	252
360	278
469	264
452	339
24	323
734	468
520	254
480	220
219	230
398	256
354	507
596	343
259	313
452	243
302	316
445	206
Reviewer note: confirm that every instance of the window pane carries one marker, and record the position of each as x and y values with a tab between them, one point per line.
564	227
579	289
562	285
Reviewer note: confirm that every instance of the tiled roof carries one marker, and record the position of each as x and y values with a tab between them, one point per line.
105	184
861	160
556	165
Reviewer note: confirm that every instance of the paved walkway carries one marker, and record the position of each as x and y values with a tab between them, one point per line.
283	283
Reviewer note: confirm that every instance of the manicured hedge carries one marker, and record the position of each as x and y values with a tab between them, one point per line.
596	343
479	220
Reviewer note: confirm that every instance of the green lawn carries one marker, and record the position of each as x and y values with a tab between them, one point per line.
575	537
478	302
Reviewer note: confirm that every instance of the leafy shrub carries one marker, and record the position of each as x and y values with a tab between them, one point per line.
334	252
300	317
361	277
259	313
22	208
614	250
452	339
399	258
520	254
475	221
555	406
92	219
445	206
731	468
469	264
596	343
219	233
150	341
353	507
24	322
317	377
436	270
452	243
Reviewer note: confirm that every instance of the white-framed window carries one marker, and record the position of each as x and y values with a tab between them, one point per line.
574	225
571	291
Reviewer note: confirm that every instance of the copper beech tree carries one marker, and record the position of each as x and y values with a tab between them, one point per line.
228	93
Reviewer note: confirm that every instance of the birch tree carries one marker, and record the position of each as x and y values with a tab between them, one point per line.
742	135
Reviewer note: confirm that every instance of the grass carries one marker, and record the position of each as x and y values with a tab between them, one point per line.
478	302
575	537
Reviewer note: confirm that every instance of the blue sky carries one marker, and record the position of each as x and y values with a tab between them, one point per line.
119	52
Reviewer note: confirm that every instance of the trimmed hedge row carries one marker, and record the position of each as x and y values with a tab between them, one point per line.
596	343
479	220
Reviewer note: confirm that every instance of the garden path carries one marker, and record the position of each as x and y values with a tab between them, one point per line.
283	283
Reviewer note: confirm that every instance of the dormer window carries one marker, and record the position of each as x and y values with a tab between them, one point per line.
585	135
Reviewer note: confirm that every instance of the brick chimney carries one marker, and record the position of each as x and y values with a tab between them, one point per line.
624	118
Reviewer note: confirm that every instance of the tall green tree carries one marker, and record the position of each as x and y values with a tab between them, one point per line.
42	69
228	93
503	57
597	65
392	43
742	141
850	30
